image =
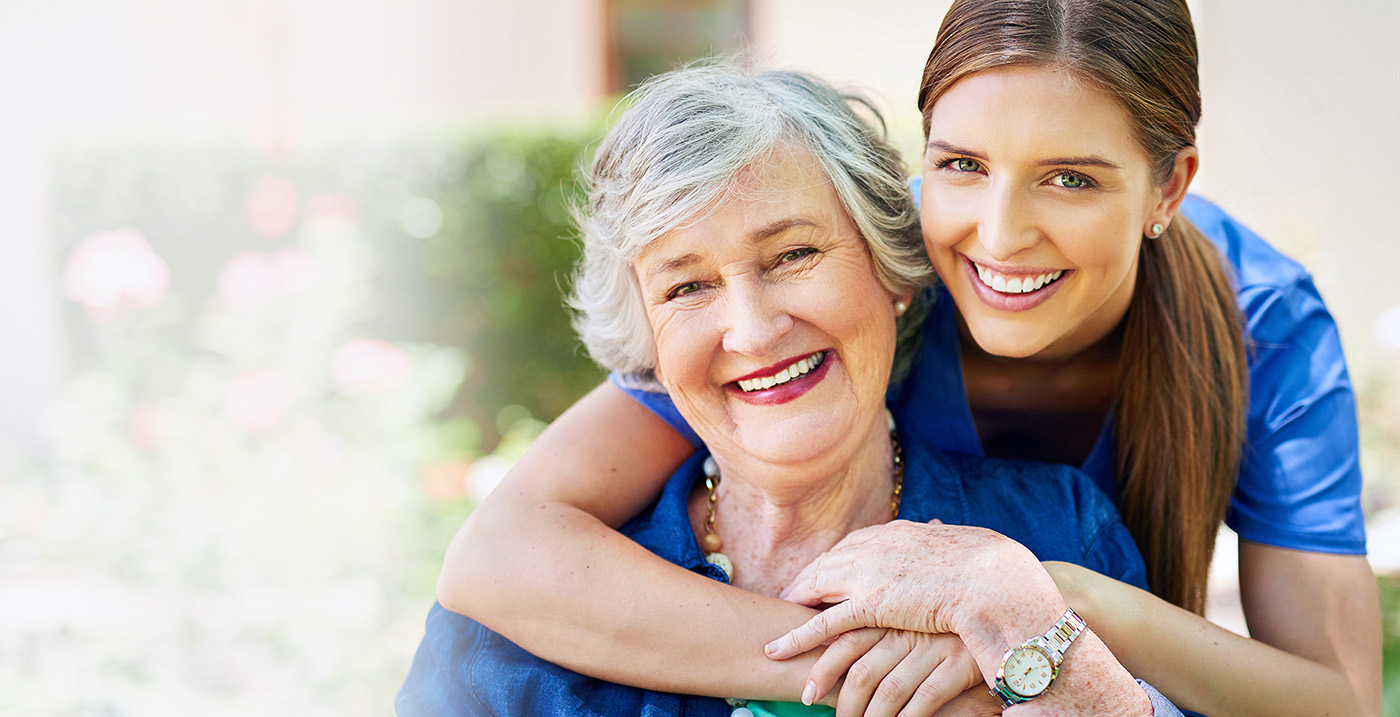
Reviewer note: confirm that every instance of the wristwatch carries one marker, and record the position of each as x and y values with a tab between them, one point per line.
1028	669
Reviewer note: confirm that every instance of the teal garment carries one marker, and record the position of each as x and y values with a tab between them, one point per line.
1299	484
765	708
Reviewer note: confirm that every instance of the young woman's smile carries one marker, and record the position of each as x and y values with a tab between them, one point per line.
1034	198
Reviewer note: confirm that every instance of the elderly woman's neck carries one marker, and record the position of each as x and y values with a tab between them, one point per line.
774	521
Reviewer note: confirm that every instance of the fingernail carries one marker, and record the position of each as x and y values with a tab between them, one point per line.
784	594
809	693
772	647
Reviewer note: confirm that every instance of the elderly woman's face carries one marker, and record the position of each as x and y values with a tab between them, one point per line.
773	335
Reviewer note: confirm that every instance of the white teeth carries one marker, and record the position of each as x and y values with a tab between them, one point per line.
801	368
1015	285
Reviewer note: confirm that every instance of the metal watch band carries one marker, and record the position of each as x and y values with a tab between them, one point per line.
1063	633
1058	639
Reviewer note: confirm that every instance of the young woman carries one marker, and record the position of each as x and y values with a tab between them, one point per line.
1085	319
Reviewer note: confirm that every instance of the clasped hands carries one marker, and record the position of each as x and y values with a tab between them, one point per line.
914	617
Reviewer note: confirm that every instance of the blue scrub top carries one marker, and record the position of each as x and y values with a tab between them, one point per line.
1299	485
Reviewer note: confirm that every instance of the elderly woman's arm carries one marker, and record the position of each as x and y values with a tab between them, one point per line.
987	589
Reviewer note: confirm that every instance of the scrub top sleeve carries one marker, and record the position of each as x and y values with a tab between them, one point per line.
658	402
1300	474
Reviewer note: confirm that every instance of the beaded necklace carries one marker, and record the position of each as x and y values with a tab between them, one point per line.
711	542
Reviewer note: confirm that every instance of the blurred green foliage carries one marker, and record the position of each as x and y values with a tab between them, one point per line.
467	241
1390	648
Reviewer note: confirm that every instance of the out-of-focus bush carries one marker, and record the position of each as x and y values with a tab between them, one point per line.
283	375
1390	651
465	244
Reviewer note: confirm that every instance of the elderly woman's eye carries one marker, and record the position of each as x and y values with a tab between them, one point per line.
1070	180
795	254
688	287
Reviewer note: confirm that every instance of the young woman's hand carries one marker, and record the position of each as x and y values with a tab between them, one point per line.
892	672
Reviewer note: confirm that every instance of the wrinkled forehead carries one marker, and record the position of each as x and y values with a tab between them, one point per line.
780	179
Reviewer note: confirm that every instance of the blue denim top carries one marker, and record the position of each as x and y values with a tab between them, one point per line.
463	668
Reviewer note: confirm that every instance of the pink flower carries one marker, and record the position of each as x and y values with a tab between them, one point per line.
248	280
112	272
297	272
149	426
272	205
369	367
254	278
258	401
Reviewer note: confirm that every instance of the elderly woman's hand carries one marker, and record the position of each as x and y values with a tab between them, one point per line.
924	577
889	672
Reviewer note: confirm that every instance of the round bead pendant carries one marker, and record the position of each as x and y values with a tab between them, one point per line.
722	561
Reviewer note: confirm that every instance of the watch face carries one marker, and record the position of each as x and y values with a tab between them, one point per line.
1028	671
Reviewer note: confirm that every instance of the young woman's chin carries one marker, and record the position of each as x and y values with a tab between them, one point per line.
1019	338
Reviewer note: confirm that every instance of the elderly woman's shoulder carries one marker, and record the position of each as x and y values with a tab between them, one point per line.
1057	511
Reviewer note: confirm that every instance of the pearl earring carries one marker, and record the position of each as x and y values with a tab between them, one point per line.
900	307
1157	230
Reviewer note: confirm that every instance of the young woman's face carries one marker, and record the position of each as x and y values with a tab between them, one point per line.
1035	199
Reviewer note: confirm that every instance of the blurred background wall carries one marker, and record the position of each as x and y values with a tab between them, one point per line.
280	284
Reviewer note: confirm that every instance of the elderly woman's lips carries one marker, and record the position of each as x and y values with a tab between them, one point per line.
788	390
791	372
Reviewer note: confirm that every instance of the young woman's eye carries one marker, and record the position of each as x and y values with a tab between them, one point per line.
963	164
1070	180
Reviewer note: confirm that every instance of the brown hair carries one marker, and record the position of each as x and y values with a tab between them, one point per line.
1182	374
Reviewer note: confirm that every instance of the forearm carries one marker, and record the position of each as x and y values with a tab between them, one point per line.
569	589
1205	668
1091	680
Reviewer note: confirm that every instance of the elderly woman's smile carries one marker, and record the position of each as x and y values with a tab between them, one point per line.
773	335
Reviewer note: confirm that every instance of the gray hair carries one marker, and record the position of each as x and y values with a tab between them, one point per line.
676	150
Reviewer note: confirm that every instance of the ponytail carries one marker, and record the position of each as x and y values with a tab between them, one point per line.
1180	423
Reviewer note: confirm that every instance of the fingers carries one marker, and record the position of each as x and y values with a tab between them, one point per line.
973	702
840	655
828	578
955	674
878	669
823	626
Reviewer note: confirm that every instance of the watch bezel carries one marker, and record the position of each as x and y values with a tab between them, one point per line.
1036	644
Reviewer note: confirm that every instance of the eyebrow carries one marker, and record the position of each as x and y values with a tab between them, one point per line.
1088	160
760	234
954	149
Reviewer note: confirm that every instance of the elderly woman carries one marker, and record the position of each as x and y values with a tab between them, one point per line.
750	247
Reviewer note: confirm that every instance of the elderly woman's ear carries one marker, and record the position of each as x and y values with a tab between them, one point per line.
901	302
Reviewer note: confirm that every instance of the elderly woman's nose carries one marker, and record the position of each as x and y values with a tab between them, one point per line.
756	321
1007	225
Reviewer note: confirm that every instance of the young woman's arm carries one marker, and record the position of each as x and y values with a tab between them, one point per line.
540	562
1315	619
